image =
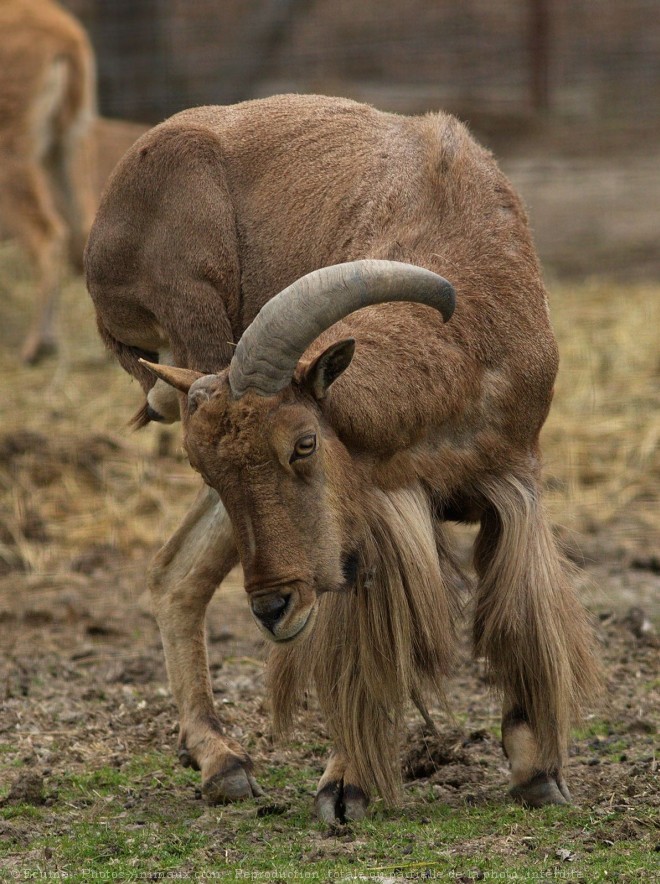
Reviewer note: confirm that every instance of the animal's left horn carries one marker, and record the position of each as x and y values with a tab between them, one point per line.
269	350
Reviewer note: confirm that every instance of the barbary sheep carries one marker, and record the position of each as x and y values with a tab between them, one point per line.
280	266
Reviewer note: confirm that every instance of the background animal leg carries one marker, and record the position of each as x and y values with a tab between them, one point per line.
70	163
183	578
535	637
339	798
28	212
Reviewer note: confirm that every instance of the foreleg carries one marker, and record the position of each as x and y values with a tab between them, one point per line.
182	581
339	797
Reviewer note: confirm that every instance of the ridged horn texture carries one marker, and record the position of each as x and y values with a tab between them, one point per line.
269	350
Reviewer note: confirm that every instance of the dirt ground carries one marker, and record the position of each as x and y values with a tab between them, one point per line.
83	685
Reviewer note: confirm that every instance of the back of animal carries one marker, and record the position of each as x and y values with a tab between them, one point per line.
315	181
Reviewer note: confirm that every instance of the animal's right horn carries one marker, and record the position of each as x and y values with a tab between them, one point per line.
269	350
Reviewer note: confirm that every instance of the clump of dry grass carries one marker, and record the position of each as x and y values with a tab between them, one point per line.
601	440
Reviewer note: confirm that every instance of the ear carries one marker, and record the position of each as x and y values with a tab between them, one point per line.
327	367
180	378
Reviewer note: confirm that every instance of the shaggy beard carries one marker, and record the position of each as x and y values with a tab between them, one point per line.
371	650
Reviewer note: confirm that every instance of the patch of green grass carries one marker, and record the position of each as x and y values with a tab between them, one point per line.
615	748
21	811
143	820
595	728
10	759
95	847
139	773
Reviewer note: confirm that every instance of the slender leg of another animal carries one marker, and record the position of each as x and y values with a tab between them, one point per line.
182	581
418	700
535	637
71	164
339	798
28	212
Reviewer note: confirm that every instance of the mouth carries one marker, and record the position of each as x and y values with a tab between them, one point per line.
286	640
289	636
285	609
283	616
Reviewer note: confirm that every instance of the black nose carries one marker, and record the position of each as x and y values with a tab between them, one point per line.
269	609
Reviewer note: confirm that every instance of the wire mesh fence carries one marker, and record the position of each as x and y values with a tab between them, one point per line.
565	93
587	57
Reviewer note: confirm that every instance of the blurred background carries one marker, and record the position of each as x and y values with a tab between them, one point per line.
567	94
587	59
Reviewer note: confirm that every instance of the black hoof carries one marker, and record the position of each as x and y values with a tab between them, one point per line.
337	802
541	790
231	784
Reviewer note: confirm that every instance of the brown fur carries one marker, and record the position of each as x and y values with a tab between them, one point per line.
209	216
216	210
47	108
528	623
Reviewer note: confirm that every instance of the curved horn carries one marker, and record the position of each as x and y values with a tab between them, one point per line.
269	350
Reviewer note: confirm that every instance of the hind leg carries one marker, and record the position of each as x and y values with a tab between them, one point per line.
535	637
28	212
70	164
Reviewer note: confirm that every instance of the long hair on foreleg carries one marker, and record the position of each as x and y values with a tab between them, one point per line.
529	624
393	637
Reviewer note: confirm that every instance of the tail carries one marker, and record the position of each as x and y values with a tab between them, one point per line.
529	624
75	161
373	649
141	417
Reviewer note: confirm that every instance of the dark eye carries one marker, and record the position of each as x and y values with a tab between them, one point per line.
305	446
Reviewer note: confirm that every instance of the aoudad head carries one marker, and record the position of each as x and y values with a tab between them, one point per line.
258	435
